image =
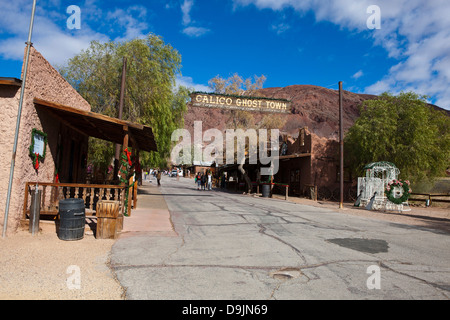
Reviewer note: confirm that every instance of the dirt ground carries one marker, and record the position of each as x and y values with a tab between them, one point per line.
41	266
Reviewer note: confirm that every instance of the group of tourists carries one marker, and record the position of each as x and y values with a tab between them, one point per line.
204	180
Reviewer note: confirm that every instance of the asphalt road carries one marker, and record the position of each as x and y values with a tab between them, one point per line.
239	247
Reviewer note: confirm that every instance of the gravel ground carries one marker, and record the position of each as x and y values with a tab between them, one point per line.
39	266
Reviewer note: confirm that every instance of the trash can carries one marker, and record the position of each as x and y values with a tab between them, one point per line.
72	219
265	190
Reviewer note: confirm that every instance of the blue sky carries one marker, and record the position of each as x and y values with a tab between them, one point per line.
289	41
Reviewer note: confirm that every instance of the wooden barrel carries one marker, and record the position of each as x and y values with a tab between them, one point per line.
72	220
107	214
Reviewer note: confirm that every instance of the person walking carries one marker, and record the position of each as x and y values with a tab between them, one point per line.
203	181
199	180
158	177
209	180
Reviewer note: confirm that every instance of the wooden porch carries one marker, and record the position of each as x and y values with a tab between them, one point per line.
52	193
137	136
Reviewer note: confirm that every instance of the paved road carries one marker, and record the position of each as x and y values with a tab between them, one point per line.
232	246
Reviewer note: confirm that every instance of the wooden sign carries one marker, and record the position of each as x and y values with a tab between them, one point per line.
211	100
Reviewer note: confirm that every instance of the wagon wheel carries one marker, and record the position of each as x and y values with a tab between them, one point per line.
323	193
352	193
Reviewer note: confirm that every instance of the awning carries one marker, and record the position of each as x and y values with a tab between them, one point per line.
11	81
100	126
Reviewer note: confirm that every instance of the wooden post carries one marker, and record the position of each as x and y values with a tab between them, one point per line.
135	188
130	195
107	214
122	94
124	145
138	175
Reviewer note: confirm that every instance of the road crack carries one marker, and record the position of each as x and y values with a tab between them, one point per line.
262	230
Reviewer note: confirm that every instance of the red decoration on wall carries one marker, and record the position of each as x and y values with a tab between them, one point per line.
36	161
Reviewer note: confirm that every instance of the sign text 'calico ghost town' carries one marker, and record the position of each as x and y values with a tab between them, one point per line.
211	100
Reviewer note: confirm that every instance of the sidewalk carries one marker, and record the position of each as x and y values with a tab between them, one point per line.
151	215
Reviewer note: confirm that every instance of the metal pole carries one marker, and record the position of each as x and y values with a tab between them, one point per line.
122	94
19	112
341	150
35	210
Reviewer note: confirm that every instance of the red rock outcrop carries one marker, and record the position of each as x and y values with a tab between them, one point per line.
314	107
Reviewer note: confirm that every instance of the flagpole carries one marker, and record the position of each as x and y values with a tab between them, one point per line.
341	150
19	112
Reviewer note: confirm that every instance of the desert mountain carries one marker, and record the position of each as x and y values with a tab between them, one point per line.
314	107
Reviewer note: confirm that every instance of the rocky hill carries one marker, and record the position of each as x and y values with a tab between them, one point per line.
314	107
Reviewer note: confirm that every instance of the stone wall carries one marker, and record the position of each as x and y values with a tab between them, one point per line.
43	82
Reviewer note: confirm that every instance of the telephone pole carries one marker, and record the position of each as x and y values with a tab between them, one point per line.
122	94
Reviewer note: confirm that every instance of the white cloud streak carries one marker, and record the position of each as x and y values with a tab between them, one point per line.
415	32
186	10
358	74
189	29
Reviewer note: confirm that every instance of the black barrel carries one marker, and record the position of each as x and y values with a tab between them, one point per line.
266	190
72	219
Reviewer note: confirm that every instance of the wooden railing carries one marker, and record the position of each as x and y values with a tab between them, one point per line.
431	197
51	193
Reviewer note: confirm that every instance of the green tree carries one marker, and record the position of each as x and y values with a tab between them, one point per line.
404	130
151	97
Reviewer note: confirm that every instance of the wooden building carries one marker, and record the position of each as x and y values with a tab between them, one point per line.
53	140
308	165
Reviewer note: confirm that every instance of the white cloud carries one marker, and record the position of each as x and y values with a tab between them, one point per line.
130	21
189	29
358	74
186	9
280	27
195	32
415	32
50	34
55	43
189	83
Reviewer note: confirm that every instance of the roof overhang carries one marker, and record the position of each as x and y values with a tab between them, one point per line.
10	81
100	126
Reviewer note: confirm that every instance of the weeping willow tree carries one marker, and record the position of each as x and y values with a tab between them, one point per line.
151	96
